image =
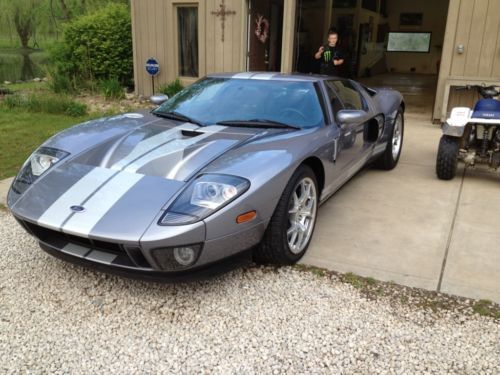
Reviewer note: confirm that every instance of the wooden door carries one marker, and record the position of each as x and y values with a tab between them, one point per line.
265	35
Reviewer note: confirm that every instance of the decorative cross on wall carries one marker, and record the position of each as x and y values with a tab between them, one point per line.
222	13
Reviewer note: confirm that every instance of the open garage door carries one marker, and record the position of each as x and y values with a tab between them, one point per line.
395	43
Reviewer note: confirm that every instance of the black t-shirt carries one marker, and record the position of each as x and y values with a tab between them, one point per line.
329	54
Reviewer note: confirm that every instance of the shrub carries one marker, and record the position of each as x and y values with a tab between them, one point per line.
76	109
172	88
97	46
60	82
53	104
111	89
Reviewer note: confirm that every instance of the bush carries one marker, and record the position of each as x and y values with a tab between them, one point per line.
172	88
111	89
97	46
53	104
60	83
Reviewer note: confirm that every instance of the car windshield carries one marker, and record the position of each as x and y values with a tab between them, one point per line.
214	100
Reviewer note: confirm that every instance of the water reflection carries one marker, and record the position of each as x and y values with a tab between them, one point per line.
21	64
27	71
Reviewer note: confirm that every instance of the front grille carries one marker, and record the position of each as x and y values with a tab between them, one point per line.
55	237
126	256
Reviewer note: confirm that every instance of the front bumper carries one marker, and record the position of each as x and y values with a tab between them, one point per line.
141	260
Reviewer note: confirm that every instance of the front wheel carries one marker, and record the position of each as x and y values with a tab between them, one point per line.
291	227
389	159
447	158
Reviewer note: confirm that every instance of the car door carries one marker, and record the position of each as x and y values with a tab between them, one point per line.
351	146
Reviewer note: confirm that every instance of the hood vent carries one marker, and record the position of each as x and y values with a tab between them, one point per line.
191	133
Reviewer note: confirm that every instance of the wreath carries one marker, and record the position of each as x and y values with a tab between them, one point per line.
261	28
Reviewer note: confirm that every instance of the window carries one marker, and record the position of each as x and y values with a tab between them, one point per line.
212	100
187	23
409	42
334	99
350	97
369	4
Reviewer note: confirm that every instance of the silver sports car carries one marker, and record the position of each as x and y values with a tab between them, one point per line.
231	163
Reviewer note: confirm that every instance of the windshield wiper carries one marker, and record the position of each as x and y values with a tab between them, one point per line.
259	123
174	115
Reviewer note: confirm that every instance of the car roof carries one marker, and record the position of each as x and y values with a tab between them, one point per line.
273	76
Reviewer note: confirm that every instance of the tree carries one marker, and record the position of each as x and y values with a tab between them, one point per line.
65	10
24	26
23	14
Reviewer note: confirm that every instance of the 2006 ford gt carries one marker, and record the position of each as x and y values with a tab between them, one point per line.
231	163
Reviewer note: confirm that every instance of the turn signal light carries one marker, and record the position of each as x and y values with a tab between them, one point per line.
248	216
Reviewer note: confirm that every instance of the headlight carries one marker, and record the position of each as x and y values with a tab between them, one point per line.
42	162
205	195
36	165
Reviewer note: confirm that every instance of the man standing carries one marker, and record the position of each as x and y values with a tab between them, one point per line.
330	55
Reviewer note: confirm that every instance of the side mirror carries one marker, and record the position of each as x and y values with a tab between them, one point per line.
158	99
351	116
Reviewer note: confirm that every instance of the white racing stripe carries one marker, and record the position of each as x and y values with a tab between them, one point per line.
263	76
173	172
170	149
59	211
177	146
244	75
100	203
152	142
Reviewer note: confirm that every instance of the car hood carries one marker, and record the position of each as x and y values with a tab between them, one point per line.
115	189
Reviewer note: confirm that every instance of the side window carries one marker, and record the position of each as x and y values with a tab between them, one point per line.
333	97
351	98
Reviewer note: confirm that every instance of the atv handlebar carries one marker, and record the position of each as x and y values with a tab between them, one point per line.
488	92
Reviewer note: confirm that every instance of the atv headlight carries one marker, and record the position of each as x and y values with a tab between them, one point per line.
36	165
205	195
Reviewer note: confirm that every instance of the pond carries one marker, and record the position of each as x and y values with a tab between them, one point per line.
22	64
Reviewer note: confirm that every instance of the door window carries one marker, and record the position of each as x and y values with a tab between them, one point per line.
187	22
333	97
350	97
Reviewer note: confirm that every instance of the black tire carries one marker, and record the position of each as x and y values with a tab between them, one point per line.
387	161
274	247
447	158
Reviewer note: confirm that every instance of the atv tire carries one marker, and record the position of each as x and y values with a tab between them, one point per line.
447	158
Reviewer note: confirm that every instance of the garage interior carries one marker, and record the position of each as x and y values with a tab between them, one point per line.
364	28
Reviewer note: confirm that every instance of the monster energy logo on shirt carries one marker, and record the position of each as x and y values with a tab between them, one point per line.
327	55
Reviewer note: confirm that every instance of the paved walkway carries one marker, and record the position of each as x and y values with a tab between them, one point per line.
4	188
406	225
409	227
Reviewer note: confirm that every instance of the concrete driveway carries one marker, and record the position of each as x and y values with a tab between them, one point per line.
409	227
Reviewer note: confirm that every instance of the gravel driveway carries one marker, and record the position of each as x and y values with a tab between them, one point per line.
63	318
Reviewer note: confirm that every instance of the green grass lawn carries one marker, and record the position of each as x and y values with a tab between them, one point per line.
22	132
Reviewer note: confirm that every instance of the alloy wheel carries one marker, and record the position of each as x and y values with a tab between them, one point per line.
301	215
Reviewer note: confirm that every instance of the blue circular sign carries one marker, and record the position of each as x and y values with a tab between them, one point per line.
152	66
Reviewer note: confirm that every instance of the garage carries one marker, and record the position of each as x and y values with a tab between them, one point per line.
427	46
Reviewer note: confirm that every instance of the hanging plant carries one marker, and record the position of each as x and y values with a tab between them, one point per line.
261	28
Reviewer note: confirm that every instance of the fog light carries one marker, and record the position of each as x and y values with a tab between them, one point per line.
176	258
184	255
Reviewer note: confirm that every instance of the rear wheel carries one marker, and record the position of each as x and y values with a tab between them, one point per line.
290	230
447	158
389	159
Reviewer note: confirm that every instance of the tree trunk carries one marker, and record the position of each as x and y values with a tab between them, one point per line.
66	12
24	28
